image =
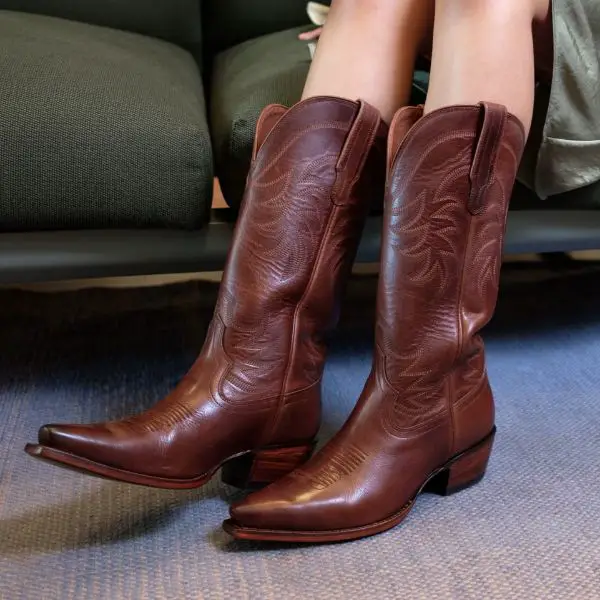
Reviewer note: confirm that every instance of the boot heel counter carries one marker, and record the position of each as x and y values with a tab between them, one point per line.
264	466
473	415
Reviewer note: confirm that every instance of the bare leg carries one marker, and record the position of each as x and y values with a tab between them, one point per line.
483	50
368	51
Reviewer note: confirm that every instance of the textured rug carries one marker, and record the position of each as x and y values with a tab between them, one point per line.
530	530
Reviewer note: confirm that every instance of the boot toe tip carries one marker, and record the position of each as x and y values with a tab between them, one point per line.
46	439
270	512
46	435
242	512
252	514
34	449
76	439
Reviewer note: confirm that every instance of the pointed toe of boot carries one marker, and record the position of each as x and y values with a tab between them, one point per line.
266	512
56	436
278	513
84	447
81	440
44	440
45	434
66	438
247	512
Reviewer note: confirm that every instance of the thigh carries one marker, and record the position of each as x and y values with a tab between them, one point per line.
543	42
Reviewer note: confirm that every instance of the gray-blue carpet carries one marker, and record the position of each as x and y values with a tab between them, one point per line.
530	530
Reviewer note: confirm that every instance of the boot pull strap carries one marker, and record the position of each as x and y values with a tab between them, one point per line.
356	149
493	119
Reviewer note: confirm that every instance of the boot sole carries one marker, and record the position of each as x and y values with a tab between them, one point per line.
460	472
252	468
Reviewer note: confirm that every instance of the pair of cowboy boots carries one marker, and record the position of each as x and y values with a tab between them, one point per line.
251	404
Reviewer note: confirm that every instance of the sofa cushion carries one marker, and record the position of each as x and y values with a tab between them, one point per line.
266	70
99	128
269	69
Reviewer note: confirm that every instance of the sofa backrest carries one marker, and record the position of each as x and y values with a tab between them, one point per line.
177	21
230	22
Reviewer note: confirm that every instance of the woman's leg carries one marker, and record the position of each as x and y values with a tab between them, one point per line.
368	50
483	50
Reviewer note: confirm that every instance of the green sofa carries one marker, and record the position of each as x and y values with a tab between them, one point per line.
115	116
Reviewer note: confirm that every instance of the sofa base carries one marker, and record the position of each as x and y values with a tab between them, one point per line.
63	255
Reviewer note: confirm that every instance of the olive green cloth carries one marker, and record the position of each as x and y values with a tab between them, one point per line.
99	128
569	149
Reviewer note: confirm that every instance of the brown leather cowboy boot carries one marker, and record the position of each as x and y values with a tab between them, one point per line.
425	420
253	397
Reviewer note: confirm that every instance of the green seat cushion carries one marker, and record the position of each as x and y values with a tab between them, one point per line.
267	70
99	128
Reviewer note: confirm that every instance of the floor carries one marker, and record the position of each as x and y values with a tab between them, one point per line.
530	530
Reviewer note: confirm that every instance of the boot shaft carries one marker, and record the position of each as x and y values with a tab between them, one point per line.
450	178
314	171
